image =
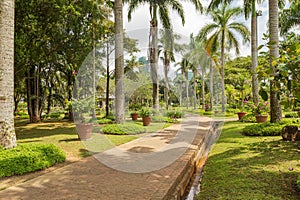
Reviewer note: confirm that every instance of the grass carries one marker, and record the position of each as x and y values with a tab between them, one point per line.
64	135
241	167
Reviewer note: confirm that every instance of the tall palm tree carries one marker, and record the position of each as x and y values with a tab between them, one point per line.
249	8
276	113
119	62
184	66
222	33
158	7
7	131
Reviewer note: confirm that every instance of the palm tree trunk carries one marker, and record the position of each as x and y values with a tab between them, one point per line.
254	53
154	62
276	113
166	69
203	90
223	71
187	89
119	62
195	92
7	130
211	86
107	81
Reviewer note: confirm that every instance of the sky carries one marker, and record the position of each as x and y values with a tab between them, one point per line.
138	27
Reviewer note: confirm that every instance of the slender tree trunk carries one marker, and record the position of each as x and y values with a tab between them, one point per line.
187	89
7	130
254	54
166	69
203	90
222	70
195	89
70	90
119	62
276	113
107	81
211	86
154	62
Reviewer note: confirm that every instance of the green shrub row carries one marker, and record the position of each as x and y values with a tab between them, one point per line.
174	114
123	129
249	118
291	115
263	129
28	158
104	121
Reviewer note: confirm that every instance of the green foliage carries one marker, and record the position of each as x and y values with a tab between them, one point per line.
291	115
123	129
104	121
298	182
263	129
175	114
248	118
28	158
144	112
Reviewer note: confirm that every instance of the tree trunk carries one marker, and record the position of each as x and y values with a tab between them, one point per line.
7	130
154	62
254	52
195	89
276	113
203	90
222	70
119	62
166	69
211	86
107	81
187	89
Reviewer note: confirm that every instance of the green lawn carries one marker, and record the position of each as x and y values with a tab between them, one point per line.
241	167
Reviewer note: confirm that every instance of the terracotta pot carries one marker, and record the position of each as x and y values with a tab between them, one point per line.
241	115
146	120
134	116
261	118
84	130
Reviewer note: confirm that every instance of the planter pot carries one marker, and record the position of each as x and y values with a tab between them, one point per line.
84	130
241	115
146	120
261	118
134	116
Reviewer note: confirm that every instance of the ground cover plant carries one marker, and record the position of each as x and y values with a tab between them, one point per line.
29	157
243	167
123	129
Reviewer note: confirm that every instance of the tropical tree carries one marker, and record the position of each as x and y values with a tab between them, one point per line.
119	62
223	35
288	17
184	66
7	131
158	7
276	113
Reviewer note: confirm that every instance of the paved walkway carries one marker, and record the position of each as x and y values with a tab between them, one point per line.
157	166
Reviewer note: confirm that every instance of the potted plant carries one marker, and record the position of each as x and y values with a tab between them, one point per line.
134	112
261	111
242	109
145	113
82	111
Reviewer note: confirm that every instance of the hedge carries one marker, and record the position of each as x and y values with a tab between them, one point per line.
263	129
28	158
123	129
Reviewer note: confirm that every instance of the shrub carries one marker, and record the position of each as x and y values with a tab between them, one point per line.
175	114
298	182
158	119
291	115
248	118
28	158
263	129
104	121
123	129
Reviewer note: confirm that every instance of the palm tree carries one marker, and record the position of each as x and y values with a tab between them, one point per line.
199	59
287	17
184	66
158	7
249	8
7	131
119	62
276	113
223	35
